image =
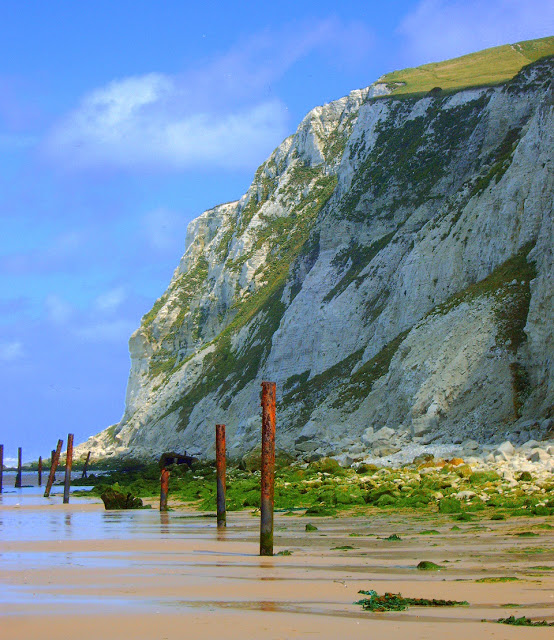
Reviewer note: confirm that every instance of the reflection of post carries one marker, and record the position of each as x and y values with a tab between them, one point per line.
268	468
221	468
40	471
1	467
164	489
53	467
18	476
68	465
84	475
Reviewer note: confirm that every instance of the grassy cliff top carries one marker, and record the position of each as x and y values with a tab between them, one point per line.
487	67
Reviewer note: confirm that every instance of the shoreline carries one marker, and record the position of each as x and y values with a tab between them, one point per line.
158	575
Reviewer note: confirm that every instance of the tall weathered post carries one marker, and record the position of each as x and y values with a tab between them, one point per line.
1	467
19	463
52	460
221	468
164	489
53	467
40	471
68	465
85	466
268	468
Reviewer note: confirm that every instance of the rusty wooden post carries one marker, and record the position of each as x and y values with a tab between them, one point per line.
52	460
84	474
1	467
40	471
221	468
268	468
53	467
164	489
68	465
19	462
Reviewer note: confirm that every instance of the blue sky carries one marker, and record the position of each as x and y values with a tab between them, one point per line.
122	121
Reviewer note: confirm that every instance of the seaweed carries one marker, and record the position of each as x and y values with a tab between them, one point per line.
397	602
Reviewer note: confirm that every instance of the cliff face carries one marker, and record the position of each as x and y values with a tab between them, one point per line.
391	265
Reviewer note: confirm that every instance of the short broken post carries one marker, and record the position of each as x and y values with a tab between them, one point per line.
39	468
221	468
164	489
19	463
268	468
68	465
53	467
85	466
1	467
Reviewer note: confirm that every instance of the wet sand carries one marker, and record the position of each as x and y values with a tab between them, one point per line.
77	571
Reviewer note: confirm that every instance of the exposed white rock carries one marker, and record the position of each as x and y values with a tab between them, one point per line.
399	302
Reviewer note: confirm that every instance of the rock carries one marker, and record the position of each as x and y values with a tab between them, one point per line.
538	455
384	451
385	433
311	527
530	444
368	435
307	446
465	495
115	500
506	450
471	445
344	460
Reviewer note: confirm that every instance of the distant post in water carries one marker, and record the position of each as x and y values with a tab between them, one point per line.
40	471
164	489
268	468
85	466
68	465
53	467
1	467
19	463
221	468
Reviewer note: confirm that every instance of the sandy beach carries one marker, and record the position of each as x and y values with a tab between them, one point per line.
77	570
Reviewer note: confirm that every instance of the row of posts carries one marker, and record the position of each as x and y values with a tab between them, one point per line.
267	472
55	459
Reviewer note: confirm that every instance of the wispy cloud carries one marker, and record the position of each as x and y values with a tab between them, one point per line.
106	331
11	351
58	310
111	300
438	29
222	114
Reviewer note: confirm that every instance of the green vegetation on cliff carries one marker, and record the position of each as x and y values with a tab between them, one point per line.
484	68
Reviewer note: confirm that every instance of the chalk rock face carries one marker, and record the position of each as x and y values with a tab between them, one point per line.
391	266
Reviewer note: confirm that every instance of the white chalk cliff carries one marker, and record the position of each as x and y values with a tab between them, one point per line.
391	265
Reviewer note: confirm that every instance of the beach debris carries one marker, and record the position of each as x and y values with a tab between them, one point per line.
499	579
267	479
525	622
220	463
344	547
164	489
68	465
397	602
311	527
393	538
427	565
284	552
115	500
53	467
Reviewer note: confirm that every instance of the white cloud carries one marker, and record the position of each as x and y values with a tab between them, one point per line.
220	113
110	301
59	310
106	331
439	29
10	351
